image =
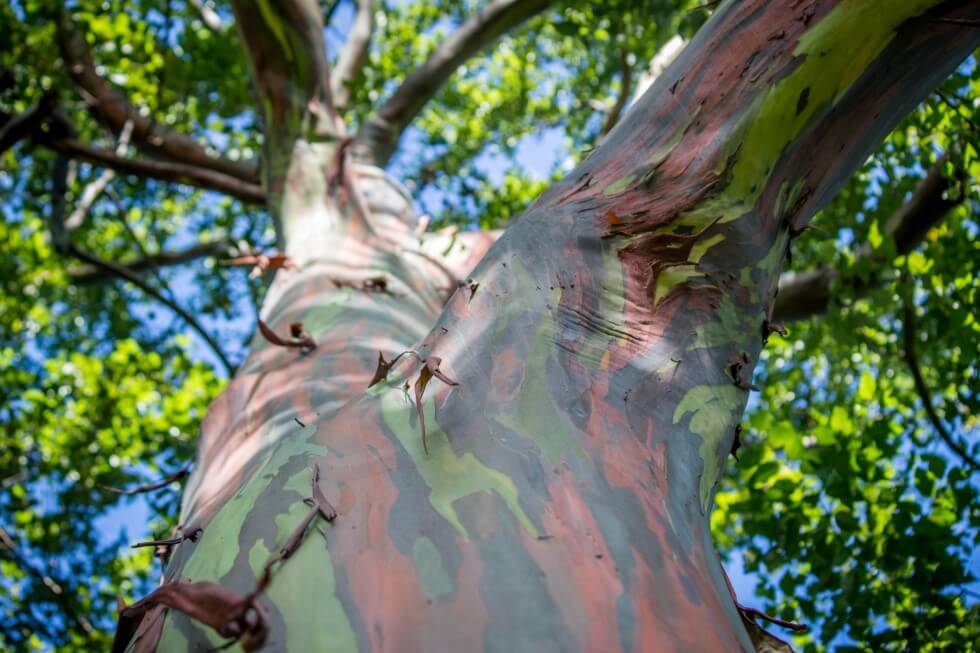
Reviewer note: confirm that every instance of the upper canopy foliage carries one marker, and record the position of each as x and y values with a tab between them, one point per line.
853	506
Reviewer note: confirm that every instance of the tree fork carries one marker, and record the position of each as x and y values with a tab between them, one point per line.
563	503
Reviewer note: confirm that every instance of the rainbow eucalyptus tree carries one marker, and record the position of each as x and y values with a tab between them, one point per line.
459	441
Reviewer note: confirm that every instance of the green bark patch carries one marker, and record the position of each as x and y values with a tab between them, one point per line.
619	185
727	329
432	574
303	587
714	410
324	317
671	277
214	555
834	52
449	477
535	417
700	248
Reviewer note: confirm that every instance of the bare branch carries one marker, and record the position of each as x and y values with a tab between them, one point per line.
378	138
25	123
93	190
179	475
165	171
209	16
133	278
89	275
354	55
62	242
113	110
625	89
805	294
909	335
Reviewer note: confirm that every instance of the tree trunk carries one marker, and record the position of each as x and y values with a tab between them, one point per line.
580	390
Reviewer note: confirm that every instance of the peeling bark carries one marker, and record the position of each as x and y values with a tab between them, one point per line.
561	498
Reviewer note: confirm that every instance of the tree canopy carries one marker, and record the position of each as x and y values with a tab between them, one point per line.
130	170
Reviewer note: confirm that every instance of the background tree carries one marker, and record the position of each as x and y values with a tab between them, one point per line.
130	137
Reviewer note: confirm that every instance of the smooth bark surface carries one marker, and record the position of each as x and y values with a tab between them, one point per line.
602	353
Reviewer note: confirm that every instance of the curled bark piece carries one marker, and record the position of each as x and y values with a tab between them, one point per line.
753	614
381	372
299	338
262	262
239	618
150	487
740	370
430	369
919	381
172	541
384	366
319	505
762	639
736	442
229	614
377	284
769	328
319	500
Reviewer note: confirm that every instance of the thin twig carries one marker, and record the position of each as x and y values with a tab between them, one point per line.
180	173
908	335
136	280
145	255
63	243
26	123
948	101
88	275
969	22
625	89
354	54
95	189
54	587
150	487
378	137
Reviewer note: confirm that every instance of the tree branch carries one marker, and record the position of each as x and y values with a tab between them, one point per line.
93	190
354	55
125	273
625	90
378	138
908	335
209	16
63	244
26	123
113	110
805	294
89	275
180	173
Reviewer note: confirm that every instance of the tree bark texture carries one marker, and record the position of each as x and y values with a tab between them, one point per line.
581	387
